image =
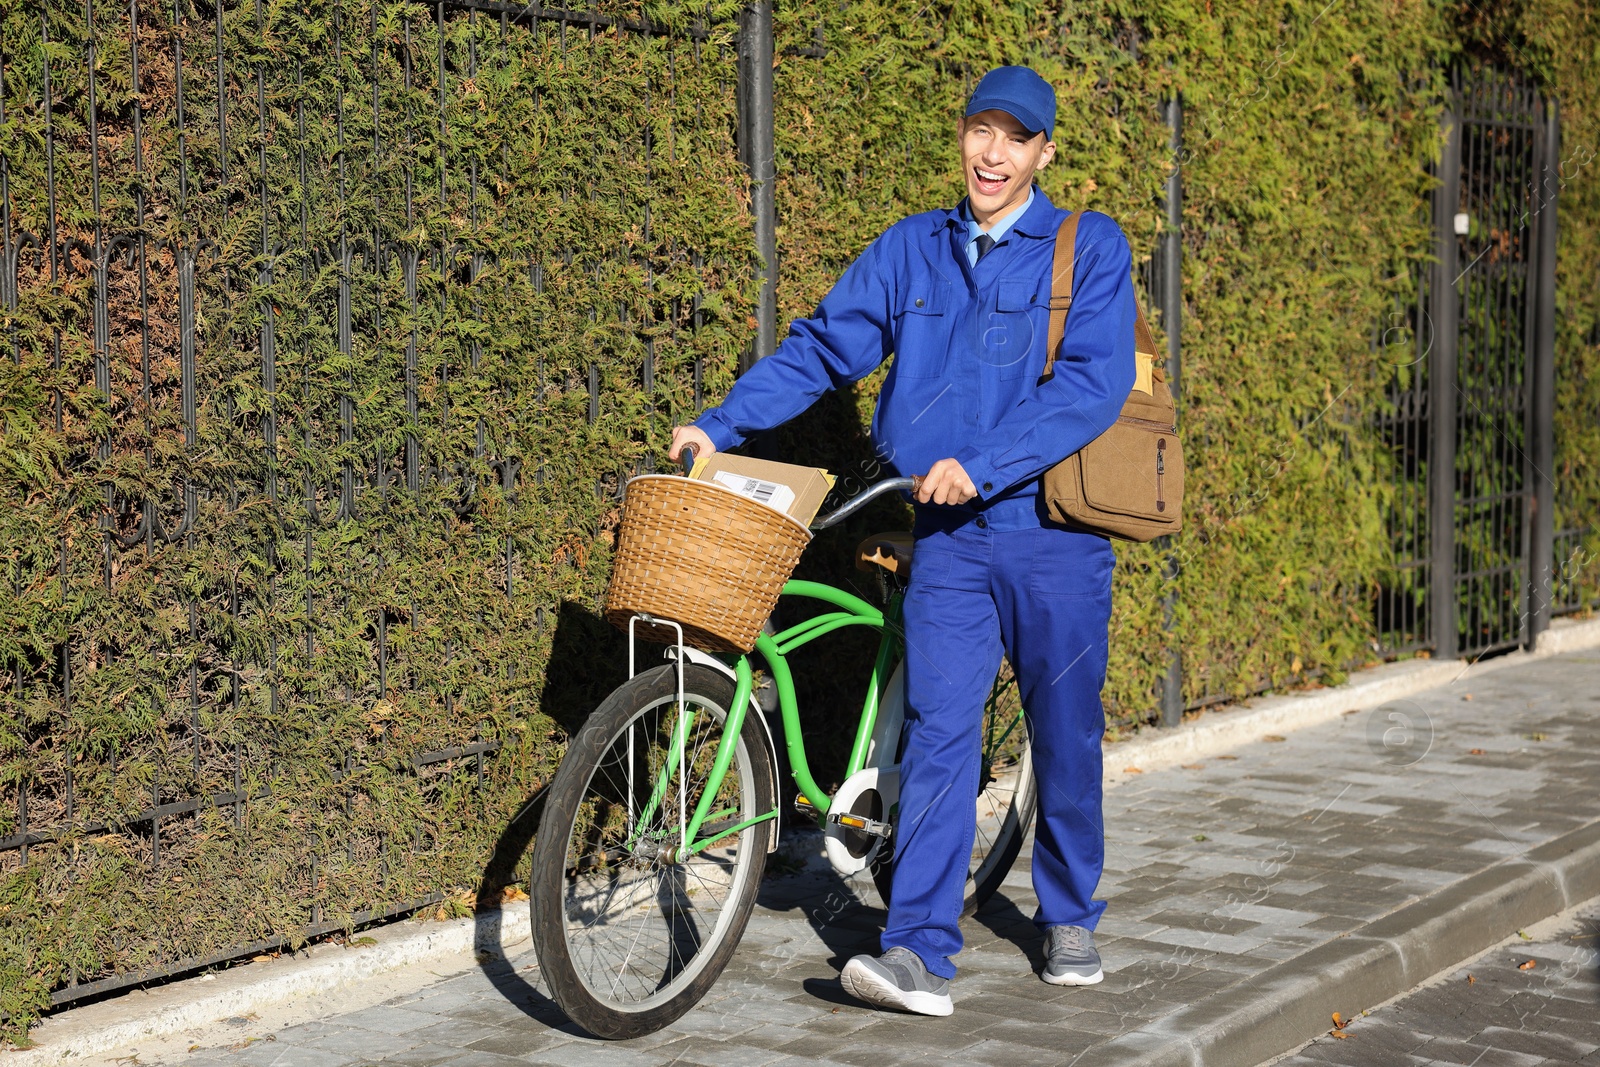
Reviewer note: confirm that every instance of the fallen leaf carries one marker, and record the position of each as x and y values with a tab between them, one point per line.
1274	737
1535	736
1471	980
1339	1022
1466	696
1352	711
1340	1034
1527	965
1131	770
1224	757
1476	752
1193	766
259	959
1524	936
513	892
1201	837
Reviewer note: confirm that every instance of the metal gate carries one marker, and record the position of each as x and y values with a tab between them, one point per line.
1470	423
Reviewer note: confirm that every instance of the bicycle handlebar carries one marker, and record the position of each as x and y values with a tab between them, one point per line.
859	502
686	458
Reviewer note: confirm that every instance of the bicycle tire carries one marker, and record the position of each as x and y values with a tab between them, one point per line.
583	856
992	858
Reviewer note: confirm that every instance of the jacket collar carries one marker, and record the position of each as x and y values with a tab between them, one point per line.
1042	219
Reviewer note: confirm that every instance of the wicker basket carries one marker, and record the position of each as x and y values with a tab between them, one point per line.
703	556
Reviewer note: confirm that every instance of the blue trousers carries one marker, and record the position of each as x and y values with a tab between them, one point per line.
1043	597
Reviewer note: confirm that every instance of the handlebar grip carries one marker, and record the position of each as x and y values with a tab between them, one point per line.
686	458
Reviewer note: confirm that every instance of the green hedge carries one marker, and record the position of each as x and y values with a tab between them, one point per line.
582	241
247	654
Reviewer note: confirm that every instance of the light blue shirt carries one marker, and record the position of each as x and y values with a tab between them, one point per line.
997	231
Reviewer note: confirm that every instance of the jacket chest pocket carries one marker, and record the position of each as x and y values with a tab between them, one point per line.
922	328
1010	336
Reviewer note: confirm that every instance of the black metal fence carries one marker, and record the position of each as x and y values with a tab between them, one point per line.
1478	566
1469	420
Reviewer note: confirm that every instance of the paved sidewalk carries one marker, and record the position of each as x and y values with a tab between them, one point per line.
1214	873
1495	1011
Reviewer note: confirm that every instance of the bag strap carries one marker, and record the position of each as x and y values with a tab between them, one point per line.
1061	288
1061	302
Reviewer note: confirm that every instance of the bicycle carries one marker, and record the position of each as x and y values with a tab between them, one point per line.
660	817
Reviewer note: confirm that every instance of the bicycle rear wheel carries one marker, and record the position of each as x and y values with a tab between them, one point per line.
630	933
1006	798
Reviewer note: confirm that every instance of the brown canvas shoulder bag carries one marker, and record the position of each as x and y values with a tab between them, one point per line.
1128	482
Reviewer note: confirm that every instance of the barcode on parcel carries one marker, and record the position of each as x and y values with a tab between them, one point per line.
772	494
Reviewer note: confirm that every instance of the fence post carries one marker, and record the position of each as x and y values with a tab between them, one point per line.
1444	307
1172	323
1542	410
756	152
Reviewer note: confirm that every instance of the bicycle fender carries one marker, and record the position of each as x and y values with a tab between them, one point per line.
706	659
884	748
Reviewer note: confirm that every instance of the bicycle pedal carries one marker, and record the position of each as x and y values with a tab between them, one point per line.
803	804
859	823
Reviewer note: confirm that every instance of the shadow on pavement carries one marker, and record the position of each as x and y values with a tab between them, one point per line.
588	659
514	842
1001	916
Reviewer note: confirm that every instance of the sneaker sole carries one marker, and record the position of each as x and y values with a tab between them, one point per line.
867	986
1073	979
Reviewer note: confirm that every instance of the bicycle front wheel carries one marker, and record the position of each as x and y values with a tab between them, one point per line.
631	927
1006	799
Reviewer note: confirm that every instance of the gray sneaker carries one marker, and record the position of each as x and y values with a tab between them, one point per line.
897	979
1070	956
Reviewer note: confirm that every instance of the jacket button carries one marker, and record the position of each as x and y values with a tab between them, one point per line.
983	524
919	301
988	487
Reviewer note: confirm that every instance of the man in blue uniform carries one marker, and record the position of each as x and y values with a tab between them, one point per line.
960	299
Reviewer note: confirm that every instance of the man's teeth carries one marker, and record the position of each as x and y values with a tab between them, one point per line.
986	176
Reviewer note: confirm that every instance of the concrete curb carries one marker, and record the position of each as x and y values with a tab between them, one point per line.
1292	1002
1235	725
200	1002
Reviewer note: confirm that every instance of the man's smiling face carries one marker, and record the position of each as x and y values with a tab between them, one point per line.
999	159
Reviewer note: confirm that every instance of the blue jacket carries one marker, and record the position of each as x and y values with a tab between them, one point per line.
969	348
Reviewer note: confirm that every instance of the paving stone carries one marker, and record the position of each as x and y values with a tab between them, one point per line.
362	1044
423	1055
387	1019
279	1054
520	1041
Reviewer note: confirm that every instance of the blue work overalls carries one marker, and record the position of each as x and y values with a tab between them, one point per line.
994	575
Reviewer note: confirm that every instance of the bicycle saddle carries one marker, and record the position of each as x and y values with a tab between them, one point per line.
891	551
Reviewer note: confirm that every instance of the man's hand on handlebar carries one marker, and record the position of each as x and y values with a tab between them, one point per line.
945	483
692	437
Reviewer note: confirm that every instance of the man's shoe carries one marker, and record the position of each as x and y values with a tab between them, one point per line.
1070	956
897	979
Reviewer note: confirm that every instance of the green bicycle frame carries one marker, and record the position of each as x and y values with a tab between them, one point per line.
849	610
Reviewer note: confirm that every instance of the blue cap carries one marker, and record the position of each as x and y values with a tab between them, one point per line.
1021	93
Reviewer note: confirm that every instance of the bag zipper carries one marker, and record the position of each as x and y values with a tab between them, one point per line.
1154	424
1161	469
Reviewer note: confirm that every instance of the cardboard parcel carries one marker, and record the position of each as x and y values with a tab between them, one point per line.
796	491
